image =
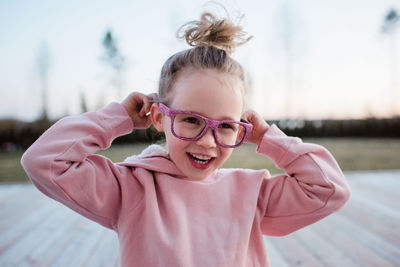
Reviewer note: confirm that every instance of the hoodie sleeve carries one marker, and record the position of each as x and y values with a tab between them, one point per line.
313	187
62	163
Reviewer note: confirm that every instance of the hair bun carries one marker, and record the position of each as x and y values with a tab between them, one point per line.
211	31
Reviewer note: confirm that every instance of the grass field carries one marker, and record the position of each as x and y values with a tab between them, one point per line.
351	154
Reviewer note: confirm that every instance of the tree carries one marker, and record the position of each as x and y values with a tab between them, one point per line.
288	32
43	66
391	24
114	59
292	44
84	107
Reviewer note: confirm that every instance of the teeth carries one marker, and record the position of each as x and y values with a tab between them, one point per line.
200	162
200	157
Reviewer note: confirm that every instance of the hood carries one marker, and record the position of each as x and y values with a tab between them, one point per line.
154	158
150	151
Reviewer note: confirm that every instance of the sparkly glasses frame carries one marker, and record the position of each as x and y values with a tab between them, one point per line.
210	123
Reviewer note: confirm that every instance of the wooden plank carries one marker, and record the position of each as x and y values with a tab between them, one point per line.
106	252
15	232
83	238
293	252
367	238
7	190
56	236
20	205
351	247
275	257
32	235
322	249
376	217
382	189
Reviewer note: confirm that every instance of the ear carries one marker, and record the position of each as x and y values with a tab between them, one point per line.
156	117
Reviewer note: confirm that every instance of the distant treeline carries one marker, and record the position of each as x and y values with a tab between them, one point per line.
364	128
18	135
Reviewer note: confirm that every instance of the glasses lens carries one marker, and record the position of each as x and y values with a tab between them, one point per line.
231	133
188	125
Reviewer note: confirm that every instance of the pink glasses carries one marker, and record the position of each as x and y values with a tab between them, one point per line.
190	126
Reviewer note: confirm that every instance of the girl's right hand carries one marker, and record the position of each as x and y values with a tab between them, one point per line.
260	126
138	106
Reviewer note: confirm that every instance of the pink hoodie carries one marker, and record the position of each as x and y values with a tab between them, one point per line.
164	219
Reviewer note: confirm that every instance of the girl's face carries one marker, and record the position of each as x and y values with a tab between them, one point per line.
214	95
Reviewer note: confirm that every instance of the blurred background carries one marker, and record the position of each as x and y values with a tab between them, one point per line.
326	71
318	69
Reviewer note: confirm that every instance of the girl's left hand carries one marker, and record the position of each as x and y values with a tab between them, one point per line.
260	126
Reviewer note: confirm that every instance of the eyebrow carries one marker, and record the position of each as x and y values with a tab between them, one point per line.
225	118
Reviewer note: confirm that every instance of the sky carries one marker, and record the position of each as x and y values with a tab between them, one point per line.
308	59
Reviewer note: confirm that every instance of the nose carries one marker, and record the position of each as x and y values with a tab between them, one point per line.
207	140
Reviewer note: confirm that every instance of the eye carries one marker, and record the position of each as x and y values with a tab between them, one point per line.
227	126
191	120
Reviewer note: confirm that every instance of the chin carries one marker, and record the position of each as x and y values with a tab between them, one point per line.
198	170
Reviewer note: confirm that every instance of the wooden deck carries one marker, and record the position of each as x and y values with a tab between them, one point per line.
37	231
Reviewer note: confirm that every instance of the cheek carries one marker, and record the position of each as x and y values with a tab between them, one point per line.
225	154
166	125
175	145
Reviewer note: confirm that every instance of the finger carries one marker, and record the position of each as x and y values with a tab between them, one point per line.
144	110
137	98
146	122
145	107
248	116
153	97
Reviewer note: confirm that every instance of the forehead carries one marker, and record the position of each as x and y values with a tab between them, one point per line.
208	92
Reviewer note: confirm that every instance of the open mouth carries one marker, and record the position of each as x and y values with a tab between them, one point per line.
200	161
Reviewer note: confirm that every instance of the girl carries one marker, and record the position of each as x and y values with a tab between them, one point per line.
174	206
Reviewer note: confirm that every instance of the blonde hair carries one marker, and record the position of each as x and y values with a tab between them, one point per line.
213	40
